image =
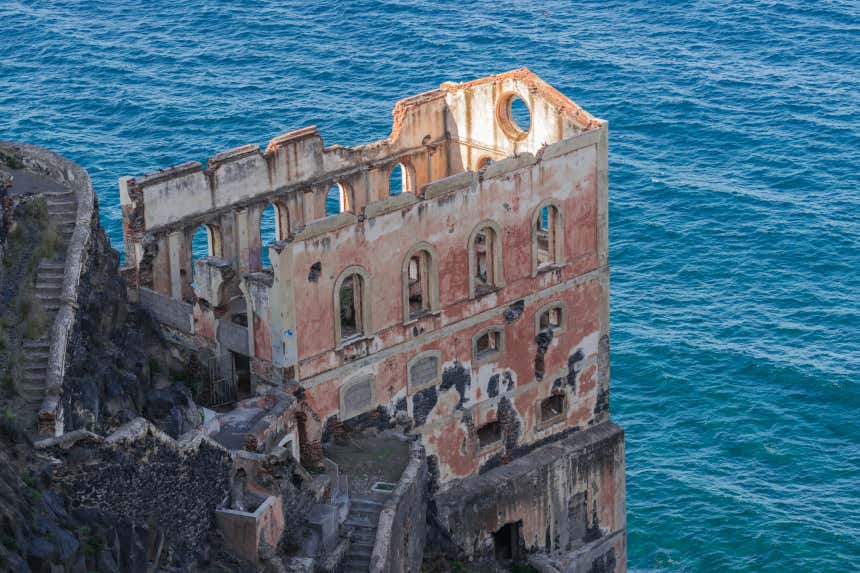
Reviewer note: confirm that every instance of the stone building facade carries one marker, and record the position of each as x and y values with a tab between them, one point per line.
452	278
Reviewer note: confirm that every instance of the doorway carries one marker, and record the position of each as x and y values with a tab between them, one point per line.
507	542
242	374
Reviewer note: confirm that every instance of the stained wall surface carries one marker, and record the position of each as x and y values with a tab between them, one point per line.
467	166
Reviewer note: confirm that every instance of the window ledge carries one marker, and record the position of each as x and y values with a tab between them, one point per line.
429	313
486	292
353	341
549	267
548	424
493	448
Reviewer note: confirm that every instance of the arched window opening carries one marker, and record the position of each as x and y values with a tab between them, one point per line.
485	259
350	297
545	234
483	252
204	243
418	284
336	200
399	180
268	231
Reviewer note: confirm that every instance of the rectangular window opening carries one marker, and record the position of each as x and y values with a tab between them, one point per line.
487	344
489	434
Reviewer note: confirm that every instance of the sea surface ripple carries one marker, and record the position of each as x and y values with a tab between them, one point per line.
734	206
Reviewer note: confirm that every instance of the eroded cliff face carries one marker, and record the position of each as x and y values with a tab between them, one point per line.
119	365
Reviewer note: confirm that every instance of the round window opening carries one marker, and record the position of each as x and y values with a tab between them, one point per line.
514	116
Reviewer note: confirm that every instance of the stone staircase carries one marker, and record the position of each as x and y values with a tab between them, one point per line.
363	519
62	211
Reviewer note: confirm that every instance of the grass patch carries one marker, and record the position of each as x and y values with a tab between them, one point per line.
34	320
10	161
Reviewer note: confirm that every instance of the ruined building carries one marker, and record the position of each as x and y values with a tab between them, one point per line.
463	300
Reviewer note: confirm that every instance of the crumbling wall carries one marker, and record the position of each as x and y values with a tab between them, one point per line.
141	475
566	497
401	531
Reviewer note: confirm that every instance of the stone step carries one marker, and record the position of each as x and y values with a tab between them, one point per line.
359	523
360	502
33	356
37	343
31	385
32	377
32	396
371	513
35	366
358	564
362	550
52	265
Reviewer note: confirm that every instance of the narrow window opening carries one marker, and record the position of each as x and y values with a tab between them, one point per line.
268	231
350	307
483	254
489	434
242	374
201	246
417	279
545	235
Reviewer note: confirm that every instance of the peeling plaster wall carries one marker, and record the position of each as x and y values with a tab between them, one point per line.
292	310
568	497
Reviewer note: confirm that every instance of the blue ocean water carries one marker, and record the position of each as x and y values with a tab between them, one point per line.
735	210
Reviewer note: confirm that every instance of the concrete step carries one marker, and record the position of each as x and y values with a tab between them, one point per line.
360	551
37	343
358	564
31	386
33	397
359	523
53	265
365	503
366	513
36	365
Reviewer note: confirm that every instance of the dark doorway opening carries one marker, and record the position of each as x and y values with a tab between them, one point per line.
242	374
507	542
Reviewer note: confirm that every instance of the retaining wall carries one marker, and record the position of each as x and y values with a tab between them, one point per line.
402	528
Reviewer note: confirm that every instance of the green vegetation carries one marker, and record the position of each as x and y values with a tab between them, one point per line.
10	161
33	319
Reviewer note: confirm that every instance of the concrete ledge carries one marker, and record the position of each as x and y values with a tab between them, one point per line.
508	165
172	312
169	173
572	144
449	184
327	225
281	140
389	204
233	154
